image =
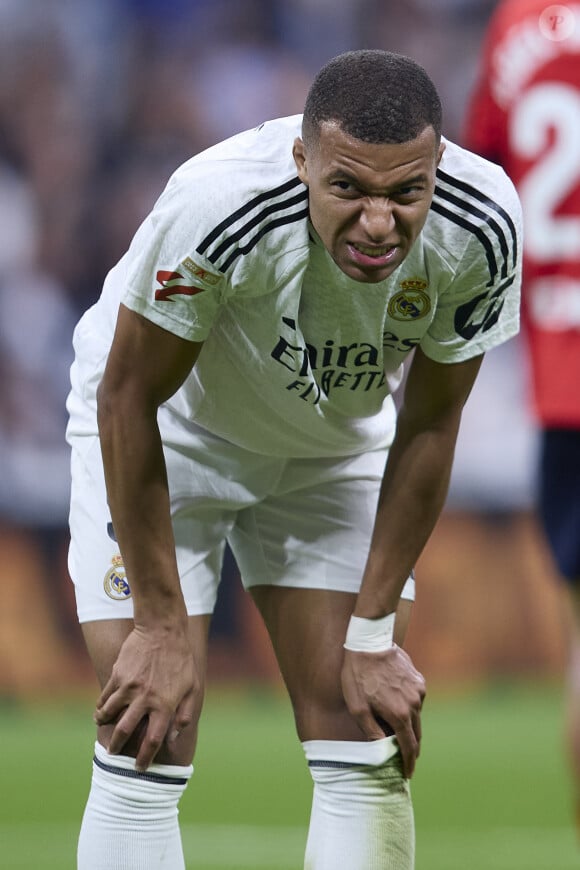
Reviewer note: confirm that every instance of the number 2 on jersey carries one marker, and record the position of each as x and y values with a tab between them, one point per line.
549	108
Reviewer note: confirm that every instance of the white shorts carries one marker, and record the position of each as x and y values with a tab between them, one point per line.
289	522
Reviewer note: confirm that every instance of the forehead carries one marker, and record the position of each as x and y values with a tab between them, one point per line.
337	152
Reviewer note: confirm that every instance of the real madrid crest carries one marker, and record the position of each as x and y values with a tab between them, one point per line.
411	302
115	582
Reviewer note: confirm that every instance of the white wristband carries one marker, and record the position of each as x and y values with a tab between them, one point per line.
370	635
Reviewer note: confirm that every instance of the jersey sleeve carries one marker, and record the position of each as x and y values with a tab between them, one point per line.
480	306
167	280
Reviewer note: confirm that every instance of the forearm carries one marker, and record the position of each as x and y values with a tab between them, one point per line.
138	497
412	496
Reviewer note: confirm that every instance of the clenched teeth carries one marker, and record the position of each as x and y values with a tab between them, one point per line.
373	252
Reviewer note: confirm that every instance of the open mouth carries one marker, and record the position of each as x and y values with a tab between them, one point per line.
368	255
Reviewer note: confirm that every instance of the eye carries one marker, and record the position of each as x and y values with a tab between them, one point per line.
413	191
345	189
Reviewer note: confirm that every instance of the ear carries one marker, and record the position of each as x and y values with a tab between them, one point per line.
442	147
299	154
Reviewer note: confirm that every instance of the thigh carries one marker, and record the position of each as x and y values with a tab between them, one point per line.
313	530
104	639
200	524
307	628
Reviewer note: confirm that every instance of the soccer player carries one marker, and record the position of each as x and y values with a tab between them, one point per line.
234	383
525	115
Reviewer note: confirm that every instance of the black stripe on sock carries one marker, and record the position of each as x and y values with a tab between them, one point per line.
336	764
138	774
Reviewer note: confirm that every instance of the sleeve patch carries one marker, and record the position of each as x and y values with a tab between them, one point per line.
173	284
200	273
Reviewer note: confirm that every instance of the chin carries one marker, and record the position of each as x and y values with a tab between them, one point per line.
369	277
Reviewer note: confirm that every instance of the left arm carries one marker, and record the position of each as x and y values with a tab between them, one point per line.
416	477
415	483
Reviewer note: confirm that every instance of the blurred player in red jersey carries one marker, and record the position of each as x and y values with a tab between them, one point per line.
525	115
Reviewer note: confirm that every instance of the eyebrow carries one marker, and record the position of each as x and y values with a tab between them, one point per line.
419	178
416	179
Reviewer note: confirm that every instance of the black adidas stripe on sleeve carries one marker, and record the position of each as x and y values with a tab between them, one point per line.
234	234
475	212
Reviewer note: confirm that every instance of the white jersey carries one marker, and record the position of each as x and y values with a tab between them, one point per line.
298	358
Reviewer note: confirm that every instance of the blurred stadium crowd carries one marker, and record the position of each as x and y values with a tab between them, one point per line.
99	101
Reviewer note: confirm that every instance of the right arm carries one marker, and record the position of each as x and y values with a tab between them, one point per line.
384	685
154	675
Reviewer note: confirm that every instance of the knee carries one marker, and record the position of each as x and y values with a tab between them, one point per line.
324	719
178	751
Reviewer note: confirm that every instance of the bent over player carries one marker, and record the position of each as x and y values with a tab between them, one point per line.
234	383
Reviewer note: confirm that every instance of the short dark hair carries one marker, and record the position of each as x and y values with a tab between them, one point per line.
375	96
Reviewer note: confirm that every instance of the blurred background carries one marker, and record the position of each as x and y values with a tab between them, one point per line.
100	100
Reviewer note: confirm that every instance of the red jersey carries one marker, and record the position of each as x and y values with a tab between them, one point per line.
525	115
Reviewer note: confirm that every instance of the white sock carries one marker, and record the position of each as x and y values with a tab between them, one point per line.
362	815
130	820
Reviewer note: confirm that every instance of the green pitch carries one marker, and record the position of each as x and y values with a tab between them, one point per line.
491	790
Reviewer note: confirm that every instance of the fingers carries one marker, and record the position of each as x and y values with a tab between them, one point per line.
157	728
416	722
152	728
408	730
384	693
408	747
368	724
407	733
184	717
114	707
151	695
106	708
185	713
163	729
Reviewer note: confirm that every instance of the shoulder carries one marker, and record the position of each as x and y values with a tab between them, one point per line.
471	182
233	195
475	212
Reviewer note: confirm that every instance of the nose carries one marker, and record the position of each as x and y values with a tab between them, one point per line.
378	219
